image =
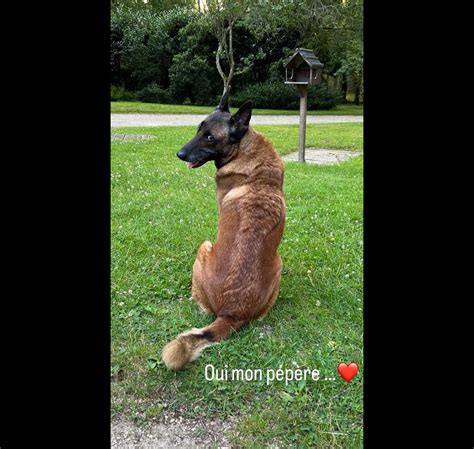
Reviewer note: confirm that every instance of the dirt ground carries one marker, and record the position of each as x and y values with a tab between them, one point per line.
170	432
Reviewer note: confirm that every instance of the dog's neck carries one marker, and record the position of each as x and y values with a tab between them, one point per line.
240	160
245	167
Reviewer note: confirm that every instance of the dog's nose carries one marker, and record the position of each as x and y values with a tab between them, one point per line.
181	154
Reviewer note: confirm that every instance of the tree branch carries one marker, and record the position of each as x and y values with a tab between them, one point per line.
218	65
231	52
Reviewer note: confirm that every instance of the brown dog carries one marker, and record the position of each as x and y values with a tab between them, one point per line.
237	278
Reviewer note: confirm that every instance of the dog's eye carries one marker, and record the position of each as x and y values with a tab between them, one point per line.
210	138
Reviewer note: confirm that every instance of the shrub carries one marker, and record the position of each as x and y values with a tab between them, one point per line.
193	75
118	93
193	82
154	94
143	43
277	95
321	96
270	95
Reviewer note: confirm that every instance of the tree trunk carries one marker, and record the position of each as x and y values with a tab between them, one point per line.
339	83
229	52
344	87
356	94
356	89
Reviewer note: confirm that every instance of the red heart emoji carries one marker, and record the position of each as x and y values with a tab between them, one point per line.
348	371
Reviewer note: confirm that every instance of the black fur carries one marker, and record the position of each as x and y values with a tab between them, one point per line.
208	335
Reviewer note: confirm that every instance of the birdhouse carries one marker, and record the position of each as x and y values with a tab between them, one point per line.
303	68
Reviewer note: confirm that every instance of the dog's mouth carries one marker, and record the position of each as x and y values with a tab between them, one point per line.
195	164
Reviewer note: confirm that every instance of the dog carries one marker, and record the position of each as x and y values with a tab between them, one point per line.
238	277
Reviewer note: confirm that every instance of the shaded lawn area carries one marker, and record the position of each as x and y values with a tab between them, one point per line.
152	108
161	212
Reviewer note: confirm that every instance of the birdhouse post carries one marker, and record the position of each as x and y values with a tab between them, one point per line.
303	70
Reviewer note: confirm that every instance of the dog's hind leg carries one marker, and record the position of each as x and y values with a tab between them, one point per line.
273	295
198	282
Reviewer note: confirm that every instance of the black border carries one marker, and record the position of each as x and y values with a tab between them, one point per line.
55	320
413	183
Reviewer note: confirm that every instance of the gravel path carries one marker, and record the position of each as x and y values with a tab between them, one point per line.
322	156
175	433
119	120
131	137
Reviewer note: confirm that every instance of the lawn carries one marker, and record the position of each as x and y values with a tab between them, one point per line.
152	108
161	212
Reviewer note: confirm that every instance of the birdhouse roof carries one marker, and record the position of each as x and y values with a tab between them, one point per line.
304	55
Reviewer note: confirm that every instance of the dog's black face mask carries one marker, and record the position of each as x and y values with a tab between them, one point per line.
217	135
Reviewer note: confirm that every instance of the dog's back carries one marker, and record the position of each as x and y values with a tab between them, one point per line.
251	221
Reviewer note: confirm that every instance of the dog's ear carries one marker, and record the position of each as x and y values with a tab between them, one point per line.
240	122
224	103
244	114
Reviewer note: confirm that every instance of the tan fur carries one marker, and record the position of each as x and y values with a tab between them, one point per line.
238	277
235	194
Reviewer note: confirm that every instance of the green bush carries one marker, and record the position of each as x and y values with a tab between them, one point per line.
193	75
118	93
277	95
154	94
143	43
321	96
194	82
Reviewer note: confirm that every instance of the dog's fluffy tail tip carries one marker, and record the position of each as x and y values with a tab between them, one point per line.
176	354
188	345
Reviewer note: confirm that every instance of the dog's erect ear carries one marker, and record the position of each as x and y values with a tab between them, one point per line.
243	115
224	103
240	122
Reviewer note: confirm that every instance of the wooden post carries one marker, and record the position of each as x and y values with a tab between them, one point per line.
303	91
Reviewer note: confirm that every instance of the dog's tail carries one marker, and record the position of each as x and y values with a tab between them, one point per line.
188	345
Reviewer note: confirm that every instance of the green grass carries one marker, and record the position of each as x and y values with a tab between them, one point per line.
152	108
161	212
